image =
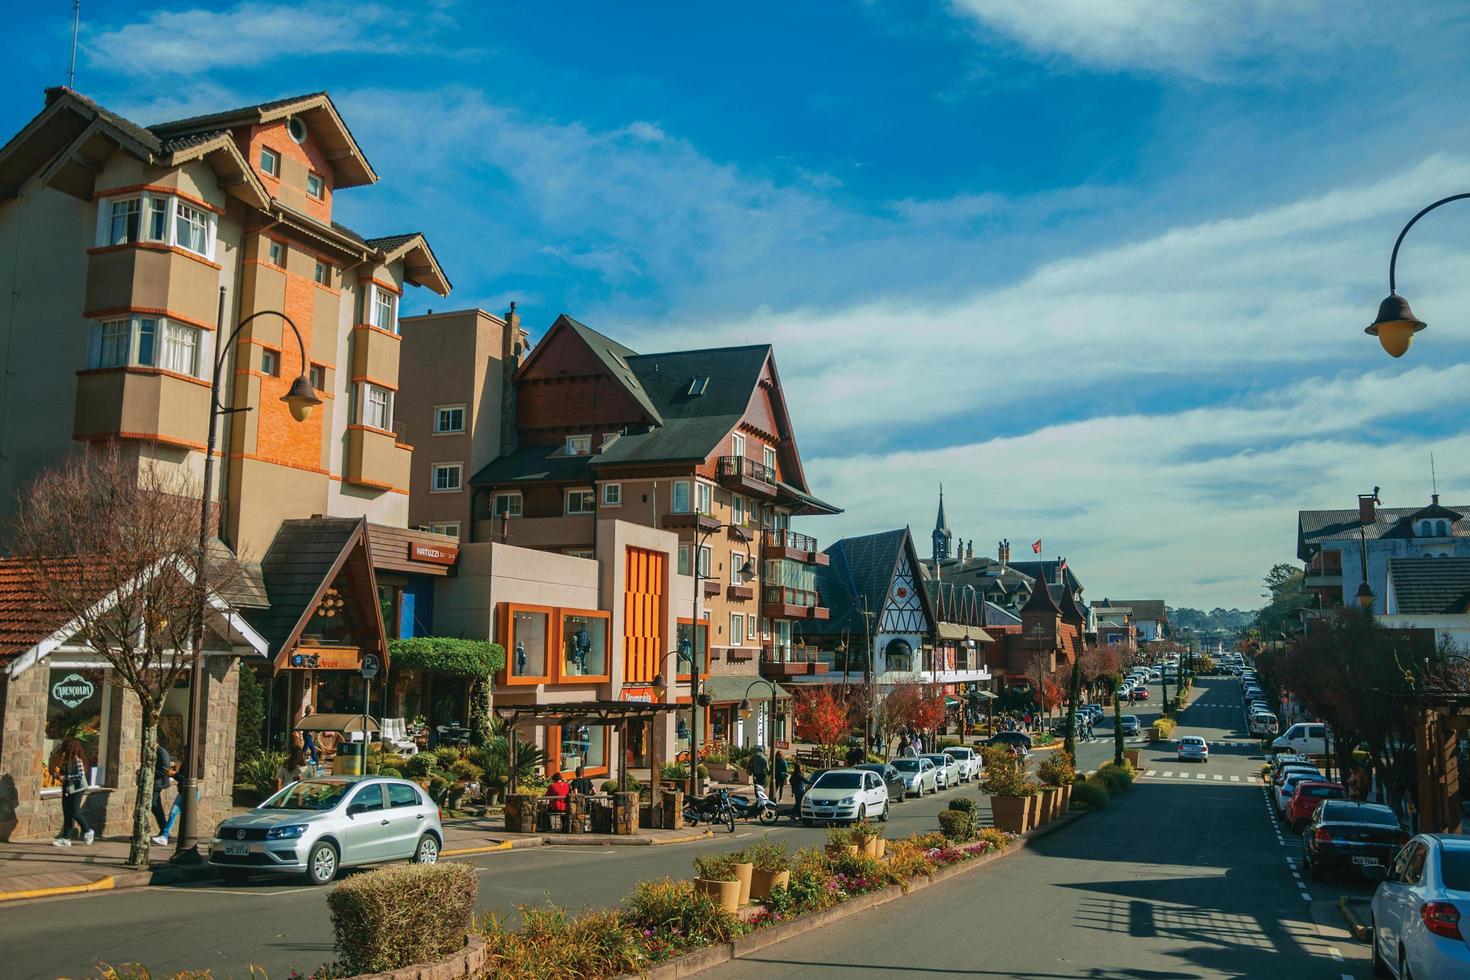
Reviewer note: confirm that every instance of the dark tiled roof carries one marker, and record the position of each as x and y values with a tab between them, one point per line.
215	120
344	230
1041	600
298	562
127	127
615	358
174	144
534	464
1430	586
1325	525
388	243
733	373
860	568
1047	572
1143	609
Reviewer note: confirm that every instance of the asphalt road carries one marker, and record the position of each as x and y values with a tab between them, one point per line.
1184	877
1165	832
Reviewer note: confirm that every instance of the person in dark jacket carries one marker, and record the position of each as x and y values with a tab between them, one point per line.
72	769
798	783
783	772
758	768
163	770
582	786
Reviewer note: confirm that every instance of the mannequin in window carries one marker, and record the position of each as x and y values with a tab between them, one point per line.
581	646
520	657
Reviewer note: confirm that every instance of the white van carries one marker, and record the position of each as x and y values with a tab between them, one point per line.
1264	723
1303	738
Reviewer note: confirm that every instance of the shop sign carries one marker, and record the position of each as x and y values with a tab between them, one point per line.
72	690
326	658
437	554
643	695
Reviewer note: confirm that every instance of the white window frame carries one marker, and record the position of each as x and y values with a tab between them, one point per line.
147	341
436	470
450	528
737	562
768	456
366	391
515	504
191	222
321	186
705	556
685	566
275	252
704	498
274	169
687	506
156	209
315	371
382	305
322	274
586	495
737	509
139	213
177	347
737	445
270	362
612	495
737	629
440	411
579	445
750	627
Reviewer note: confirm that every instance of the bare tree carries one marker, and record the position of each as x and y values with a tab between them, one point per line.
113	546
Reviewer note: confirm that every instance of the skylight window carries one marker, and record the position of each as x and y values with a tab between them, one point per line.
698	386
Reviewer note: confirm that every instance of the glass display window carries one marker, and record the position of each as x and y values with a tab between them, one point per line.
76	707
691	647
584	645
528	645
582	745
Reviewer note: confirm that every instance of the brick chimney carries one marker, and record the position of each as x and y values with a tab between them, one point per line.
1367	502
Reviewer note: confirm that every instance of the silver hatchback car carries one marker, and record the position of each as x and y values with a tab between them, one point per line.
317	826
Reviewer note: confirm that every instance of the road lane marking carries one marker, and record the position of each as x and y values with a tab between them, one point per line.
1149	773
1203	775
1235	779
1219	778
1306	897
1335	954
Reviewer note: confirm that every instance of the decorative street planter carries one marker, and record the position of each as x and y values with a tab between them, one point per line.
763	883
1050	796
727	893
1132	756
837	850
1010	813
875	847
743	872
1066	797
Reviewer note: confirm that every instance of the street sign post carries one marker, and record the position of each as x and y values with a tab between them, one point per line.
370	667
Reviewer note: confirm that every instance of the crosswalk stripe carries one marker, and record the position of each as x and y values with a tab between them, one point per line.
1235	779
1168	774
1219	778
1149	773
1202	776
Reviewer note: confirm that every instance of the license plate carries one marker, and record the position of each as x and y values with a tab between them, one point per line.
1366	861
237	850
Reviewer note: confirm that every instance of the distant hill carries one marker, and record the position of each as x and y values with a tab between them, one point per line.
1217	620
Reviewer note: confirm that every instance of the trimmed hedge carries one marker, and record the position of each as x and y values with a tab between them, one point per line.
1117	779
956	824
1088	794
402	914
447	655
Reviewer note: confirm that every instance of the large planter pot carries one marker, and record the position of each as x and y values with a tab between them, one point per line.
876	848
1050	800
727	893
1010	813
838	850
742	874
1066	797
1132	756
763	883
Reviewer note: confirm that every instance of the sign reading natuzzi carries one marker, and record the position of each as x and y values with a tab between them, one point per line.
438	554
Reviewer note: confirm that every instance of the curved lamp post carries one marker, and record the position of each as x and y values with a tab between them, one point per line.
770	728
746	576
301	398
1396	324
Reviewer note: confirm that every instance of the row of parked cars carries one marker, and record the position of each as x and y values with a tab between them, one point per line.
869	790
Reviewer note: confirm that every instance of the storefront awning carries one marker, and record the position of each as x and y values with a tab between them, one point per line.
959	631
724	689
586	712
335	723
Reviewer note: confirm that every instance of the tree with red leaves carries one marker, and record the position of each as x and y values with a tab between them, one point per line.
928	712
821	719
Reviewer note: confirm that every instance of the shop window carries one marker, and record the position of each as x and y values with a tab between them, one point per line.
75	708
584	645
692	646
529	637
583	745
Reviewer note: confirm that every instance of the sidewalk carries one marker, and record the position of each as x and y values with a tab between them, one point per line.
37	869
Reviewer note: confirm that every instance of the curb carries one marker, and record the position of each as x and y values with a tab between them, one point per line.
1361	931
462	963
575	841
106	883
504	845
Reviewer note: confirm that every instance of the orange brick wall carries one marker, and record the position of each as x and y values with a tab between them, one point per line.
274	136
278	435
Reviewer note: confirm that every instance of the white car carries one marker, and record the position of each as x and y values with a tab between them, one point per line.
844	795
948	767
968	759
1264	723
1420	910
1193	748
919	775
1303	738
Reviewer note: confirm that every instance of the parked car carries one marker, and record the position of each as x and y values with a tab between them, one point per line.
1264	723
1287	759
1303	738
318	826
1344	835
893	780
948	767
1306	798
844	795
1019	741
1155	676
1131	725
919	775
1192	748
1095	710
1286	785
1417	910
1139	694
968	759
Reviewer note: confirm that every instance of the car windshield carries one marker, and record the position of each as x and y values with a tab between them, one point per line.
960	753
938	760
1454	867
906	765
1359	813
838	780
1130	719
310	794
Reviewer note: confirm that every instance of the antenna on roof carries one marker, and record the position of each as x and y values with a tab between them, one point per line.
1433	479
76	25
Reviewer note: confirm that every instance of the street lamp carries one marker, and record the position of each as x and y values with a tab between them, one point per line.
301	398
746	575
1396	324
1365	591
770	725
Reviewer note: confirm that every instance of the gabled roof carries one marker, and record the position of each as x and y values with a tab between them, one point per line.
419	264
862	569
1041	601
1316	527
613	356
1147	610
1430	586
349	164
1046	571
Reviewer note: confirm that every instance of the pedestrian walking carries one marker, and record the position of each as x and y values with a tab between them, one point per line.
758	768
71	767
783	772
909	751
292	770
163	771
798	783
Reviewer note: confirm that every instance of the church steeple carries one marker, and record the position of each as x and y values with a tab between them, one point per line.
942	538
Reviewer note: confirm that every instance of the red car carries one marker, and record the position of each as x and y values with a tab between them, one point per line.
1139	694
1306	798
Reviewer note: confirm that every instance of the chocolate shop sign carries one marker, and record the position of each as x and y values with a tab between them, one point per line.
72	690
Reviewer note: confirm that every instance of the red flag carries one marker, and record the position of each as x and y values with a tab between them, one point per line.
1036	546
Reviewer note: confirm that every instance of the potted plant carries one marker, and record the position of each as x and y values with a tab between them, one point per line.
1010	791
840	841
1057	773
772	868
715	877
869	840
744	873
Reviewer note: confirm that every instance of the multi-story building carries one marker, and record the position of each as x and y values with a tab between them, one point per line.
1332	545
1149	617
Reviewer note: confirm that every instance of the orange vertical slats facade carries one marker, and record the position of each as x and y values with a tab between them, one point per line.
643	619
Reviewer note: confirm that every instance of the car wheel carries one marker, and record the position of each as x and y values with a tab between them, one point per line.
321	864
1380	966
883	817
427	851
1404	972
862	814
1315	872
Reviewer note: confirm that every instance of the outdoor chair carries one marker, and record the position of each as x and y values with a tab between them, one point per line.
395	737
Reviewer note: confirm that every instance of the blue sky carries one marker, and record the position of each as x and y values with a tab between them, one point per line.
1099	267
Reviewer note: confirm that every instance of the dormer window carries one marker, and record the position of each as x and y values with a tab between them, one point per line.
579	445
698	386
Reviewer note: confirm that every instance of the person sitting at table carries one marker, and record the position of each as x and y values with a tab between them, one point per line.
558	791
582	785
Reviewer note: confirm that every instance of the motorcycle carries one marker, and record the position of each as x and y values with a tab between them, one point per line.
762	808
716	808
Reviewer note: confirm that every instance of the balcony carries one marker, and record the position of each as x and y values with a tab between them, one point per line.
783	662
698	522
152	277
375	459
141	403
375	354
783	603
746	475
711	587
785	543
739	593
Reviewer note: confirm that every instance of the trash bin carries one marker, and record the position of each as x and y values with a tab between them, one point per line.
349	759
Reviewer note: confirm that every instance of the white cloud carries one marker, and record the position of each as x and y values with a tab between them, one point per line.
1199	38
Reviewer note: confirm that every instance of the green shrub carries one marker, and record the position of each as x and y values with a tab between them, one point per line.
956	825
446	755
767	855
402	914
876	757
1162	728
438	787
677	915
553	943
674	770
1004	773
841	836
466	770
948	743
1089	794
1117	779
259	770
964	804
1057	769
994	836
420	765
391	772
715	867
